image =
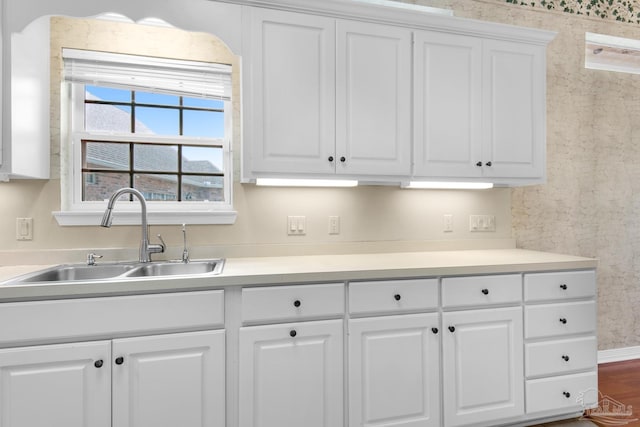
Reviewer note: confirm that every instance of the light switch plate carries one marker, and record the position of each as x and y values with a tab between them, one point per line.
482	223
296	225
24	228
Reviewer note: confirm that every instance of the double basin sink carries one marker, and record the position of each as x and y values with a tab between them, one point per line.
123	270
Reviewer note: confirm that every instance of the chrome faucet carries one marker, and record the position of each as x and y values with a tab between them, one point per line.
185	251
146	248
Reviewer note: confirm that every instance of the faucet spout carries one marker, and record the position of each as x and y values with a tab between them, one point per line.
146	249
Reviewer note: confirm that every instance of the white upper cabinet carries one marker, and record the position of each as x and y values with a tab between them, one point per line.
325	98
373	102
479	109
514	130
447	105
290	96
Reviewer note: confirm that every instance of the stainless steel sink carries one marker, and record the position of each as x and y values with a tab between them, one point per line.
123	271
177	268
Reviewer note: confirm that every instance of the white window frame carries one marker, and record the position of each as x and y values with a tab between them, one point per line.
74	211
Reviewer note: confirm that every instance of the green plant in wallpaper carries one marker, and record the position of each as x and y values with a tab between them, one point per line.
618	10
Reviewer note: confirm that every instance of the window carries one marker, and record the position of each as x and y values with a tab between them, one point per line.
160	126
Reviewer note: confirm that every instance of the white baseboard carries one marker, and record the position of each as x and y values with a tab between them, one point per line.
618	354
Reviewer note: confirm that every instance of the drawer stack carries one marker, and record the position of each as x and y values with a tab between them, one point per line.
560	341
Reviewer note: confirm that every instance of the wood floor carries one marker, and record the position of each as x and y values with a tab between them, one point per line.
620	384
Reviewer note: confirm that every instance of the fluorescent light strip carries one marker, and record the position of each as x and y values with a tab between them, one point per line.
434	185
277	182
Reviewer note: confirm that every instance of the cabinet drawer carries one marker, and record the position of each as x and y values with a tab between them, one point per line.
481	290
66	320
563	356
393	296
559	285
286	303
559	319
578	391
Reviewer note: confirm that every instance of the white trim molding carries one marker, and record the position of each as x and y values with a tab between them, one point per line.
618	354
83	218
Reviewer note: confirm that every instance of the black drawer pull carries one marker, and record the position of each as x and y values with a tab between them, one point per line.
485	291
563	286
297	303
98	363
434	330
330	158
452	328
566	394
565	357
119	360
563	320
293	333
397	297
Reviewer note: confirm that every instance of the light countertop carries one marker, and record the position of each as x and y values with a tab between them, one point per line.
304	269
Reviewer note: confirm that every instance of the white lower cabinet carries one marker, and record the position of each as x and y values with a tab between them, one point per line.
482	365
66	385
394	371
164	380
291	375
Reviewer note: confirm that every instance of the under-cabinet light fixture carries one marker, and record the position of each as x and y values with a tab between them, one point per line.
282	182
435	185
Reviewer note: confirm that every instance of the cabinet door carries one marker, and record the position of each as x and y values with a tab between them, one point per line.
373	99
169	380
290	97
447	105
56	385
394	371
514	110
482	365
291	375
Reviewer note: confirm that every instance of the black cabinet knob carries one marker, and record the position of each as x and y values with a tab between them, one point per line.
330	158
563	287
397	297
479	164
563	320
452	328
98	363
566	394
293	333
565	357
297	303
488	164
434	330
343	159
119	360
485	291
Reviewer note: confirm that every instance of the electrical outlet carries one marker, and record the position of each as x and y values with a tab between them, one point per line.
296	225
482	223
334	225
447	223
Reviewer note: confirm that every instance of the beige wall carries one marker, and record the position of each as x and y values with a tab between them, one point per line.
372	218
590	205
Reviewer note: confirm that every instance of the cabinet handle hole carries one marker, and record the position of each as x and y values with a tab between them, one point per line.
397	297
297	303
563	320
563	287
434	330
485	291
452	328
293	333
565	357
330	158
566	394
98	363
119	360
343	159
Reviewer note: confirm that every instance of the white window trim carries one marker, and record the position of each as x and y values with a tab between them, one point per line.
74	212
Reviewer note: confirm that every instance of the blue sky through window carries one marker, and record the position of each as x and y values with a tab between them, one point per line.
163	121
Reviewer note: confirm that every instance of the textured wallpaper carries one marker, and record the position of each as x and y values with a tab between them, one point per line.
618	10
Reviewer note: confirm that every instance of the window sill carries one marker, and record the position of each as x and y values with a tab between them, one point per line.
83	218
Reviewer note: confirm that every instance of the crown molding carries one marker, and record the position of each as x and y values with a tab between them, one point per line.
416	19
